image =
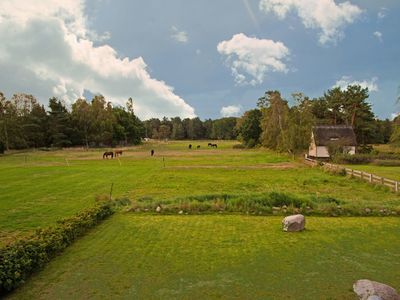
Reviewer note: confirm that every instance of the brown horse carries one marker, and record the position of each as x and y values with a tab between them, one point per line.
107	154
118	152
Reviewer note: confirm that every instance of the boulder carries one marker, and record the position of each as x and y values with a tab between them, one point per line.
158	209
294	223
372	290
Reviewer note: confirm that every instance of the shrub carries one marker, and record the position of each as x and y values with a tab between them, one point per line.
25	256
386	163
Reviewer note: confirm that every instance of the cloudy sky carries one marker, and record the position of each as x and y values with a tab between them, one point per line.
208	58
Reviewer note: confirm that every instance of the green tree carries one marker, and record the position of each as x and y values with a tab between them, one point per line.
178	131
298	130
60	125
82	120
275	112
224	129
248	127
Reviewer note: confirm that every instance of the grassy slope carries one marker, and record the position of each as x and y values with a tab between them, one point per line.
236	257
44	188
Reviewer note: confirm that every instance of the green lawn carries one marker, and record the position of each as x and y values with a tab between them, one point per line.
237	257
384	171
38	188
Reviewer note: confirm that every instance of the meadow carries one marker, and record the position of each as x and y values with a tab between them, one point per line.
221	252
212	257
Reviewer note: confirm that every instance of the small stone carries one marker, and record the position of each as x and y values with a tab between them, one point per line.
367	210
180	212
339	207
284	207
158	209
294	223
372	290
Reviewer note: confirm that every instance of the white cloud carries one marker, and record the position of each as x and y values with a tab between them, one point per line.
345	81
179	36
327	16
382	13
252	57
394	115
47	49
231	111
378	35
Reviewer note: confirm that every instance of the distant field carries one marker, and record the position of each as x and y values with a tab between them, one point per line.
384	171
37	188
211	257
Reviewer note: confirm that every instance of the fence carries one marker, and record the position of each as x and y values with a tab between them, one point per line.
371	178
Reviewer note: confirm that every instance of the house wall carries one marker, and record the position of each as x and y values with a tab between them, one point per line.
322	151
312	149
351	150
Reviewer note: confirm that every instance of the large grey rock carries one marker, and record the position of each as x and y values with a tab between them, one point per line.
294	223
372	290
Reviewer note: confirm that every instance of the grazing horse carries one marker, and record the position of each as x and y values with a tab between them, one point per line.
198	146
214	145
190	146
118	152
152	152
107	154
210	145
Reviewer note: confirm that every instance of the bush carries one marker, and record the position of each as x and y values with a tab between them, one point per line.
386	163
25	256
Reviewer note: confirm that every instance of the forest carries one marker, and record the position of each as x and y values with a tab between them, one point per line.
273	123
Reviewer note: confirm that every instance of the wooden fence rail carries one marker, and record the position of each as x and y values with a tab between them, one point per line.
371	178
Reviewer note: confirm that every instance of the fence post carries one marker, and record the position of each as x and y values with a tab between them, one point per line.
370	177
383	180
362	175
396	186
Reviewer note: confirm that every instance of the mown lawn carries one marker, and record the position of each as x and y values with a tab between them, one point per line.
37	188
231	257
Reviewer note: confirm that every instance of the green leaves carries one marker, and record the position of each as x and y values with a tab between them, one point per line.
25	256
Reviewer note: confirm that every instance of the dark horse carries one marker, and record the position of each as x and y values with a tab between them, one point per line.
107	154
190	146
118	152
152	152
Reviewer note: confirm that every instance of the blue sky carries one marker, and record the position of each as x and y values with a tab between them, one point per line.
205	58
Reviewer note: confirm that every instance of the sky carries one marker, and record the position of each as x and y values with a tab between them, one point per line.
209	58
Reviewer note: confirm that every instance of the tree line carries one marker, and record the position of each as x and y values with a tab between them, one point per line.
273	123
25	123
276	125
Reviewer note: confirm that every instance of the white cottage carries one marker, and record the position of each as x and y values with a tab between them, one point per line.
322	136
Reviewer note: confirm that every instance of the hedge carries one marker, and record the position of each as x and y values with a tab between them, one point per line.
23	257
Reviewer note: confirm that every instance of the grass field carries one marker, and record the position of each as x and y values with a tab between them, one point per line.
143	255
389	172
235	257
38	188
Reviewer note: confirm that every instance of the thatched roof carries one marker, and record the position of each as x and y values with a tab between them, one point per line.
324	135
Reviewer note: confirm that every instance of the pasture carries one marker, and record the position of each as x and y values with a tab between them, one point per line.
212	257
144	255
41	187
